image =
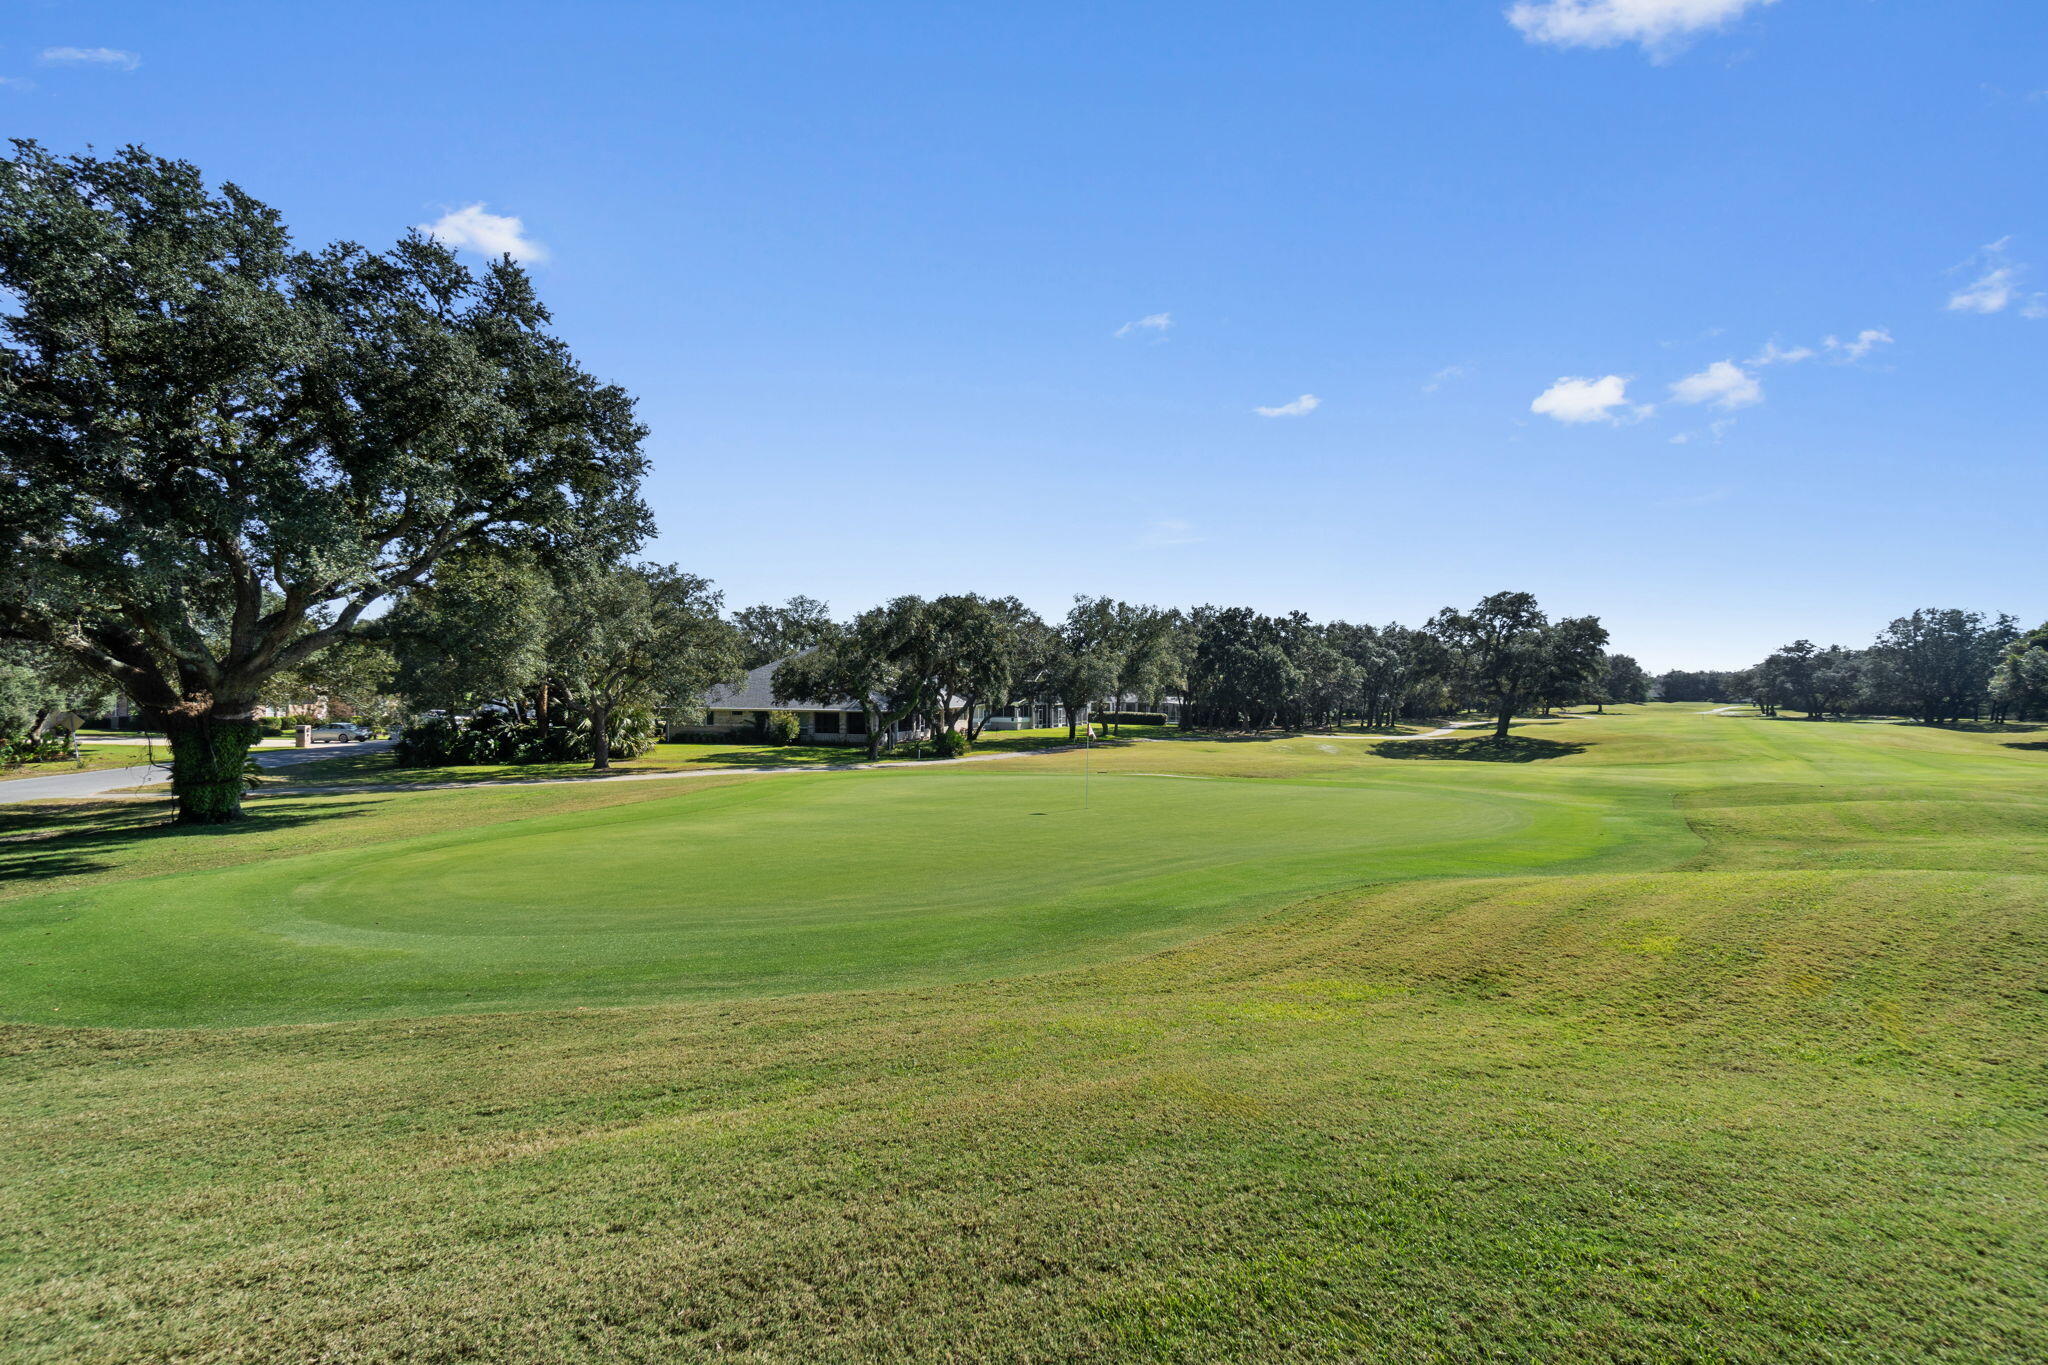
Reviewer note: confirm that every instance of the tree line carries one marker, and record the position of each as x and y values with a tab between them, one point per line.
1938	665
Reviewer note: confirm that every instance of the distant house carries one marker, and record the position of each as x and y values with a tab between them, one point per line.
742	709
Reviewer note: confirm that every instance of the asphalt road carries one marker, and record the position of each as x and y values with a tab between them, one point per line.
58	785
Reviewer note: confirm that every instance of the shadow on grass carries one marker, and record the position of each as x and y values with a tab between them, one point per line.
1480	749
38	842
2028	744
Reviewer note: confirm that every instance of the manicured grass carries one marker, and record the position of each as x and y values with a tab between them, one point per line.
91	758
1713	1039
384	768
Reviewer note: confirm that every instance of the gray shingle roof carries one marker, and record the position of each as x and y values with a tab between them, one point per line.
756	692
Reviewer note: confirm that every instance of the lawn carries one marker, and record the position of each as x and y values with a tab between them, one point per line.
91	758
1677	1037
384	768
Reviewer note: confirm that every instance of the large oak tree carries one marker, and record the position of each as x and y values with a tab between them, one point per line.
220	454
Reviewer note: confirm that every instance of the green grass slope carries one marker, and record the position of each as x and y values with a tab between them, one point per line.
1708	1039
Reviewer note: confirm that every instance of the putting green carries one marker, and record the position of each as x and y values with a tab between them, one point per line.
777	885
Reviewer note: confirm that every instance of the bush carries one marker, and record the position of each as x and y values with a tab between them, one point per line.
783	727
495	737
951	743
1130	718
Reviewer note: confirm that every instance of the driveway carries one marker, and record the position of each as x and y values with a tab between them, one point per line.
59	785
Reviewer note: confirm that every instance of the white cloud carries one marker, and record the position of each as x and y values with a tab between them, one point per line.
493	234
1300	407
91	56
1997	285
1723	383
1658	26
1586	400
1774	354
1988	293
17	83
1443	377
1151	322
1867	340
1169	531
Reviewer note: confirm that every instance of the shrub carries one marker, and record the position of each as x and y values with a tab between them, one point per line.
783	727
495	737
951	743
1129	718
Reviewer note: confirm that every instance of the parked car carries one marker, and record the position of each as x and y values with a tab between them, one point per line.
1005	723
339	732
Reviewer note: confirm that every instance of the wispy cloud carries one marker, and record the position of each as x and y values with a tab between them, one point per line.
1659	27
1724	384
1169	531
1151	322
1774	354
1867	340
17	83
1998	284
1574	400
493	234
1300	407
1840	351
1712	435
1443	377
91	56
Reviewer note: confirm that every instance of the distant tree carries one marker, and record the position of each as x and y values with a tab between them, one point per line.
21	698
1240	673
1623	682
776	632
1574	662
478	632
219	456
1504	650
1936	664
1077	674
879	662
639	634
354	675
36	683
981	648
2019	684
1836	680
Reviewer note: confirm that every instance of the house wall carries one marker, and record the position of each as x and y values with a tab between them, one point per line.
733	724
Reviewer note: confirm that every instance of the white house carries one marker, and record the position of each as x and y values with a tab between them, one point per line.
743	708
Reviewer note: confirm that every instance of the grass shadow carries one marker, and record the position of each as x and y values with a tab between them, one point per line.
38	842
2027	744
1479	749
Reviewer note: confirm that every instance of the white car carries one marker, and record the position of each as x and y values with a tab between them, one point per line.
339	732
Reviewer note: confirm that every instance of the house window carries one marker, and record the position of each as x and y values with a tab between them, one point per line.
825	723
856	722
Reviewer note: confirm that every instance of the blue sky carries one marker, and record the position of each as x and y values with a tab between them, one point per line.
920	298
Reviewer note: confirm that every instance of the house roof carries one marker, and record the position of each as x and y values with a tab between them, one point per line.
756	692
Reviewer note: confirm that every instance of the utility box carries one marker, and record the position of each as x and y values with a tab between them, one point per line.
305	736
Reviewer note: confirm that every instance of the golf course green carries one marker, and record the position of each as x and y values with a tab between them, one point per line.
1660	1035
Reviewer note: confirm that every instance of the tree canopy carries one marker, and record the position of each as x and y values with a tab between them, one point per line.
219	453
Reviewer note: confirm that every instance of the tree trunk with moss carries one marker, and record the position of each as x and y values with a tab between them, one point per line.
209	753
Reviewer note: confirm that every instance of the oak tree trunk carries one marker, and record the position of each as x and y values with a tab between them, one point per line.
208	754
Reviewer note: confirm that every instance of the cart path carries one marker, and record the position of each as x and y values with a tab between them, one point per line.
59	786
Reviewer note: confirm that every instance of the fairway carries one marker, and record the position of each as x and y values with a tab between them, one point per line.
774	885
1683	1037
